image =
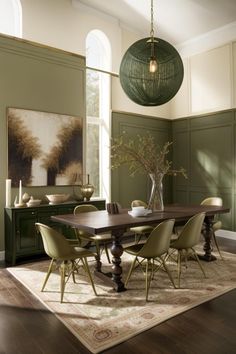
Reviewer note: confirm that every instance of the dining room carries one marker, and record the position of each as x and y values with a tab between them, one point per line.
67	110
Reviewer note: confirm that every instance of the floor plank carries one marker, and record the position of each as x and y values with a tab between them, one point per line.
27	327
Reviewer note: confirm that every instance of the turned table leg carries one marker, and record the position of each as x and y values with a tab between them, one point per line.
207	233
116	251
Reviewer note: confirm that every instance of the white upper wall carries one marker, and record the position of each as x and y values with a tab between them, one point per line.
66	26
209	79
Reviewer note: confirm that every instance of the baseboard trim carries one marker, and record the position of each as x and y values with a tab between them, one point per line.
226	234
2	255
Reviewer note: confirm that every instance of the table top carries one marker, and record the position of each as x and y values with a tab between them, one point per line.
100	221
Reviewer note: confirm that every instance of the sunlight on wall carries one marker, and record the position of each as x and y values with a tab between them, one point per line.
11	17
210	168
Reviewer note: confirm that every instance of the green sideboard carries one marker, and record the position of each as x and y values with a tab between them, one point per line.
22	242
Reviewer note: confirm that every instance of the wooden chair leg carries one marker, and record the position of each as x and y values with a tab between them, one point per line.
179	267
107	253
130	271
148	278
87	270
217	246
199	263
48	274
169	273
63	268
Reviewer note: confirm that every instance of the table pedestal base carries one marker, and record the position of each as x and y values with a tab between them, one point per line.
207	258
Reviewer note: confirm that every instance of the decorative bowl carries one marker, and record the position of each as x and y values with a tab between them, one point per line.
33	202
57	198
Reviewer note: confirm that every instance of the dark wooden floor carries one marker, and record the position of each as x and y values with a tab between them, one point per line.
27	327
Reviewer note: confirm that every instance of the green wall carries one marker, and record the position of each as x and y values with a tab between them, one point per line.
204	145
124	188
38	78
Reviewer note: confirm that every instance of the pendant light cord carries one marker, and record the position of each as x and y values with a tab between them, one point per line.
152	29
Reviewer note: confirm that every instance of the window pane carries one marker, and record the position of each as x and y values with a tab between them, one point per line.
92	156
92	93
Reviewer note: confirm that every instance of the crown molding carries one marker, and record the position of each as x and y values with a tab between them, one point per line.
207	41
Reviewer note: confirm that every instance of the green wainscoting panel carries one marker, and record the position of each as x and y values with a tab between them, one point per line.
124	188
211	158
206	146
38	78
210	120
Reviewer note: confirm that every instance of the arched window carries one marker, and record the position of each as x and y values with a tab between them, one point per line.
98	60
11	17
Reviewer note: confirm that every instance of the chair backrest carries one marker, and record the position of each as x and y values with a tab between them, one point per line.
55	244
191	232
217	201
84	208
137	202
212	201
158	241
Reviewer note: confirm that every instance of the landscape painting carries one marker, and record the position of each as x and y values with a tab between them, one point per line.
44	149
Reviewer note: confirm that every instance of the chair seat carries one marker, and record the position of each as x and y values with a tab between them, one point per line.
141	229
217	225
134	249
103	237
82	252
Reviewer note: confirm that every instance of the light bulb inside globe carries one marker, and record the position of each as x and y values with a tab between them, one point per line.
153	65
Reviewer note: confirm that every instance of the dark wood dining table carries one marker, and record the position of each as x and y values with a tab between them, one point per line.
101	221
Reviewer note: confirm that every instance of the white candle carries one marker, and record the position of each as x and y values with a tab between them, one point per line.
20	192
8	193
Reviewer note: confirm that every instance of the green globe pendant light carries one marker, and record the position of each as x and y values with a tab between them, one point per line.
151	71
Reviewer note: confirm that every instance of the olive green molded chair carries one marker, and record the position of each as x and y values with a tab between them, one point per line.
103	239
63	256
187	239
155	249
217	224
140	231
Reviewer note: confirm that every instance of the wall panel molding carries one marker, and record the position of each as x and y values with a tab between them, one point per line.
205	145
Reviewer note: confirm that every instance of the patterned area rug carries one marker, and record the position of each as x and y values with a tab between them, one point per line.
111	318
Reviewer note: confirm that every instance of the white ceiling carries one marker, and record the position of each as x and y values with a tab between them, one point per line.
176	21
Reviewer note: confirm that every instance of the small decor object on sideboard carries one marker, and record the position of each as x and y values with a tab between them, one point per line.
33	202
57	198
87	190
8	193
18	204
20	192
25	198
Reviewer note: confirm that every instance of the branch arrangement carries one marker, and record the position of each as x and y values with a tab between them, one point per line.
143	155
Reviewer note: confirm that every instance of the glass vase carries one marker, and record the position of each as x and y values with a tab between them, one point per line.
155	202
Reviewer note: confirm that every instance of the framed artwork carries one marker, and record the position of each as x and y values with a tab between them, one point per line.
44	149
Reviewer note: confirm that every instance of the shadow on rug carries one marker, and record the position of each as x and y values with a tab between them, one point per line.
111	318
